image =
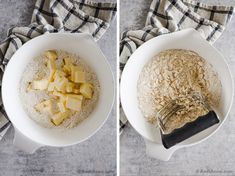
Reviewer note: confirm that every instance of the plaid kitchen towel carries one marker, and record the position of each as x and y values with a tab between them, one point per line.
72	16
167	16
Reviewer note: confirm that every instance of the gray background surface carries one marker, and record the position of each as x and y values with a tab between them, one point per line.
96	156
214	157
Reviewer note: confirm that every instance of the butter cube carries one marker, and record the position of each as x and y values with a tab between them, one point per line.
79	71
67	70
44	106
73	103
51	75
50	54
67	65
52	68
61	85
40	84
86	90
79	77
58	118
59	75
76	91
79	97
61	106
51	64
69	87
60	95
67	61
51	87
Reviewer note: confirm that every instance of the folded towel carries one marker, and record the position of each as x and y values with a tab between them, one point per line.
167	16
50	16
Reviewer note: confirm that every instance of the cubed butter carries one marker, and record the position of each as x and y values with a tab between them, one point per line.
79	97
51	64
67	70
50	54
61	85
51	75
40	84
86	90
44	106
76	91
69	87
59	75
73	103
60	95
52	68
79	77
61	106
67	61
51	87
58	118
75	69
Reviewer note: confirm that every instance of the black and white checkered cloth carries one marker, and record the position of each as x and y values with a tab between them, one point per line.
50	16
167	16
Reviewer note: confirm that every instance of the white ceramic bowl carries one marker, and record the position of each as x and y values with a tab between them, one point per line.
29	135
185	39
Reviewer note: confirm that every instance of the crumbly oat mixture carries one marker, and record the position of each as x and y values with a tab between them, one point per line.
173	75
36	69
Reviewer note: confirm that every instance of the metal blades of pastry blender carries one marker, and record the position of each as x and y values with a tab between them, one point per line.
189	129
166	112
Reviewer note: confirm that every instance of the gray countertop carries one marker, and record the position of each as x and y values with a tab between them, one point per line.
214	157
96	156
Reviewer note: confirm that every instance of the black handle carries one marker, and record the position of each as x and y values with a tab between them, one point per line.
189	129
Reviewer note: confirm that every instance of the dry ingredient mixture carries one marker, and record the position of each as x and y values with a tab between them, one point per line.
58	89
173	75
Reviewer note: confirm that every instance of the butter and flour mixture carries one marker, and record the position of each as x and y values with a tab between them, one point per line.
172	75
61	99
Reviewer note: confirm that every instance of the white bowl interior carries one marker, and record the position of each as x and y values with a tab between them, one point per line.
186	39
80	44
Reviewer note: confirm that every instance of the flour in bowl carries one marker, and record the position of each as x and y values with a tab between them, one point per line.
172	75
37	69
